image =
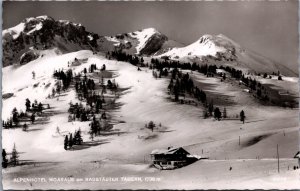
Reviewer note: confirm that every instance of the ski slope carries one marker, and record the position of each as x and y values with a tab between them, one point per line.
125	150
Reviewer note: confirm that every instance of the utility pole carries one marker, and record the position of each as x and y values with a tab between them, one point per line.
278	158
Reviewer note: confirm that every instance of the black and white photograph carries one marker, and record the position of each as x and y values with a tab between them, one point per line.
153	95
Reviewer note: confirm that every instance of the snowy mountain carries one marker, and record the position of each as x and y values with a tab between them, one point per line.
24	42
219	49
143	42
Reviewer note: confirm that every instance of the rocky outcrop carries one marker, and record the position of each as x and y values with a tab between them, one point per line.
43	33
154	43
28	56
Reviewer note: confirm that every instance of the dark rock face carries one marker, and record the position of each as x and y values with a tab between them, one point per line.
40	33
28	56
229	55
154	43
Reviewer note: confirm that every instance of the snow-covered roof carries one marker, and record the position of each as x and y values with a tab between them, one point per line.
194	156
167	151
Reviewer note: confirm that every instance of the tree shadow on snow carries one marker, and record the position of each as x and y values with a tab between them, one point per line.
34	163
165	131
31	130
40	123
254	121
256	139
88	144
109	133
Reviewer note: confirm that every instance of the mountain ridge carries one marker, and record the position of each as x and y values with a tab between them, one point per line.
221	50
43	32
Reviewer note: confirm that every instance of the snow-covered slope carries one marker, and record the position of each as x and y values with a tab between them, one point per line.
127	153
219	49
19	80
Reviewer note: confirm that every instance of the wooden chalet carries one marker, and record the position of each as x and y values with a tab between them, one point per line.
171	158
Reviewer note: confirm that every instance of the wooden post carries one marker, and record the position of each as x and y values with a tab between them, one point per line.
278	158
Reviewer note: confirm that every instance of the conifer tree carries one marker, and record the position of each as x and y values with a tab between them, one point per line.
53	92
211	107
40	107
27	104
224	113
25	127
91	135
78	138
32	118
66	142
14	159
15	118
170	86
83	116
58	87
103	67
242	116
71	141
205	113
98	105
102	82
151	125
217	113
4	159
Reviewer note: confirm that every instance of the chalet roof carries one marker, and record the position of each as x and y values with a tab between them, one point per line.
297	155
168	151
